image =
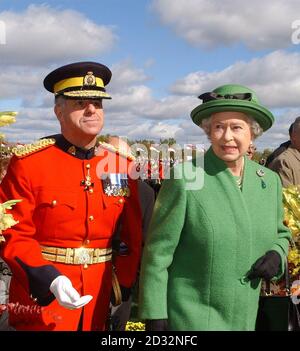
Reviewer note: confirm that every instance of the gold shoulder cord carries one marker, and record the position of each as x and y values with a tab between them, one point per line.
117	150
31	148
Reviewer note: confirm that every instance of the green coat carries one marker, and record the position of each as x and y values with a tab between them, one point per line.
202	242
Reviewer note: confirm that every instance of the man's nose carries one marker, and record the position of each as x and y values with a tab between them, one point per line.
90	107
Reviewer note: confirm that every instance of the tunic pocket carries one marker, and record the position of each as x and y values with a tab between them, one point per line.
53	207
112	209
57	198
109	201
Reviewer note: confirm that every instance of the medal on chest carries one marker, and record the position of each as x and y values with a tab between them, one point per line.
115	184
87	182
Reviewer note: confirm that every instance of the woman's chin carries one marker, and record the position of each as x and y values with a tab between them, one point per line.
230	157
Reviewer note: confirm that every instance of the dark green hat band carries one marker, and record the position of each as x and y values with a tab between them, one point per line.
233	98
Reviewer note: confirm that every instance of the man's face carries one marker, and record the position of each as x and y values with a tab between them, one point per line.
251	151
80	118
295	138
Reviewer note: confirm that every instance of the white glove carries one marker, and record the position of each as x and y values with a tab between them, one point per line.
66	295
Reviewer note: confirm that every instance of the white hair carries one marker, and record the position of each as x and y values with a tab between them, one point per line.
59	100
256	129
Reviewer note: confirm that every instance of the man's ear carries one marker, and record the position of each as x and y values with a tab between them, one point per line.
58	111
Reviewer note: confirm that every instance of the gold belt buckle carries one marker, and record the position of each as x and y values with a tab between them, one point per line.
83	255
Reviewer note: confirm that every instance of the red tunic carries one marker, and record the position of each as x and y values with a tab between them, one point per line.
56	211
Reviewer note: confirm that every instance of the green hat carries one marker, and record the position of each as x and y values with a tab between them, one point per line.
232	97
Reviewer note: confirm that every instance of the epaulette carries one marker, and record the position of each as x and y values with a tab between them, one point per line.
29	149
112	148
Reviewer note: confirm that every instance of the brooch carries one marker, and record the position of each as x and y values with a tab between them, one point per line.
260	172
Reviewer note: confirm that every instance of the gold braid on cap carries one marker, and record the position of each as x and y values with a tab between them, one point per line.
29	149
118	151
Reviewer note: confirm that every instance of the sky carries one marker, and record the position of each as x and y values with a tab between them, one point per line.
163	54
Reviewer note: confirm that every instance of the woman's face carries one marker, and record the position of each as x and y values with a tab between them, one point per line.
230	135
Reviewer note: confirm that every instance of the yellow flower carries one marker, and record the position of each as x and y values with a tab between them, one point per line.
291	202
7	117
294	261
135	326
6	219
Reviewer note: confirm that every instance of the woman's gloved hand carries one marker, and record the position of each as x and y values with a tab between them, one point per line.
266	267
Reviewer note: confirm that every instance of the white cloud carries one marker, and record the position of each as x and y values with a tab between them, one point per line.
211	23
171	107
136	129
276	135
21	82
130	95
136	113
41	35
140	101
275	77
32	124
125	75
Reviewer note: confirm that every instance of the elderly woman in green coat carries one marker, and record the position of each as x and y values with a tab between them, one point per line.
209	246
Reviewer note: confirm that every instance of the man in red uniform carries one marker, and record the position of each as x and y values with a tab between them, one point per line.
74	191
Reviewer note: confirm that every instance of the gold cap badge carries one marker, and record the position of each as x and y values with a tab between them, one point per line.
89	79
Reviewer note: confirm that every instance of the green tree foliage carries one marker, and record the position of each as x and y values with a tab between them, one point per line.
169	141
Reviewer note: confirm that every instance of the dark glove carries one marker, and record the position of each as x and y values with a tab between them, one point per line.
266	266
156	325
126	292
